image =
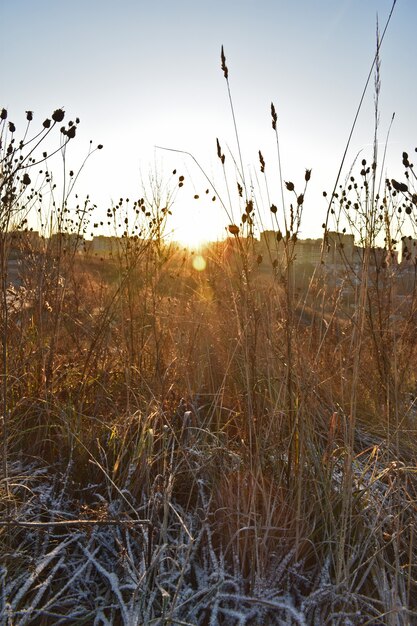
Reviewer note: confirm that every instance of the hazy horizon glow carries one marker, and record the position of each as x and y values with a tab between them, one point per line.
143	74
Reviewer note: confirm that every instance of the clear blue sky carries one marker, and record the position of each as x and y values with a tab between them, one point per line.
145	73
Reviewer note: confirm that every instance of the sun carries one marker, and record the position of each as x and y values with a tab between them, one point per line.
191	237
194	228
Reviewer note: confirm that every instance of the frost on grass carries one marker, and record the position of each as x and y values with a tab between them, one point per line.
172	571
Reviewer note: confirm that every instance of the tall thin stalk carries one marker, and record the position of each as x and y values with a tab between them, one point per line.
4	340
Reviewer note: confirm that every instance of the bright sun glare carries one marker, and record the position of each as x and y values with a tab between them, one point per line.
189	237
193	230
199	263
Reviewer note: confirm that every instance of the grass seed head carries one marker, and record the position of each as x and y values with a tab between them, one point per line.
262	162
274	116
224	66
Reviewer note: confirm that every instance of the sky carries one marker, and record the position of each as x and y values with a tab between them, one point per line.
141	74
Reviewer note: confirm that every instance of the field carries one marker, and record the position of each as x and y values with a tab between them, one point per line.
219	445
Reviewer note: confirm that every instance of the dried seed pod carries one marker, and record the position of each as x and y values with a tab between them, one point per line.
58	115
399	186
249	206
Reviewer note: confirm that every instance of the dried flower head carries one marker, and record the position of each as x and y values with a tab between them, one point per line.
58	115
399	186
249	207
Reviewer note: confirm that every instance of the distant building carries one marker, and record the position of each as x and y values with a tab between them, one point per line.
379	258
22	241
104	246
66	242
339	248
336	249
23	238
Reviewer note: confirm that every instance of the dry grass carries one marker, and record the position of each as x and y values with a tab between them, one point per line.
208	448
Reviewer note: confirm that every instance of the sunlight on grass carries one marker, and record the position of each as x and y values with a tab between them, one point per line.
217	434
